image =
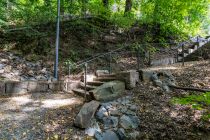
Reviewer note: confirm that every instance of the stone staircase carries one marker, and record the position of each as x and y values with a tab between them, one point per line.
93	84
105	86
191	49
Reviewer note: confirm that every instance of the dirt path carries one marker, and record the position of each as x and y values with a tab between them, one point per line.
38	116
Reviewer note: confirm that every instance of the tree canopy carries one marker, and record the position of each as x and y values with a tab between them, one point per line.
172	16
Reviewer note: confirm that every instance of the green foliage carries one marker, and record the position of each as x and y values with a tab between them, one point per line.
165	18
197	101
174	16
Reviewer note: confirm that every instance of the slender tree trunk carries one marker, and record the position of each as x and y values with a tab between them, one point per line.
83	8
128	6
62	7
105	3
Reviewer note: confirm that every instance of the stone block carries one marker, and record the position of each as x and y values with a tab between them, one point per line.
129	77
37	86
56	86
16	87
2	88
71	85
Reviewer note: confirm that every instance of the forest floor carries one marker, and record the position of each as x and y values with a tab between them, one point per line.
51	115
162	119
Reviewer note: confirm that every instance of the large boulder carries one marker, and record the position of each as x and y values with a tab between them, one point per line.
108	91
83	119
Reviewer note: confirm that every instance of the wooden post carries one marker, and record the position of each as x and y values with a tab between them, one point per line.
138	58
149	58
177	56
85	81
183	55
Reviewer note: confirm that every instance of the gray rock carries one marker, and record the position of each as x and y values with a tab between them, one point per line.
44	70
114	103
83	119
133	107
98	136
110	122
123	109
127	123
90	131
166	88
2	66
135	120
114	112
134	135
125	101
158	83
101	113
107	105
114	121
129	112
109	90
7	68
121	133
41	77
1	71
109	135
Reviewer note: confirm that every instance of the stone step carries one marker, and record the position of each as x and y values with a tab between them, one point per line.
81	92
194	46
95	83
88	87
181	55
186	51
105	79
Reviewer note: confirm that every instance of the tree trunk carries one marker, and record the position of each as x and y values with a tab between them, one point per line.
105	3
62	7
128	6
83	8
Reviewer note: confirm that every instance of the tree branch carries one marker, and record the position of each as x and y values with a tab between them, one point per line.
190	88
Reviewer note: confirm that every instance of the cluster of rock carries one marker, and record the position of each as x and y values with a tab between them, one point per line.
15	68
161	78
113	120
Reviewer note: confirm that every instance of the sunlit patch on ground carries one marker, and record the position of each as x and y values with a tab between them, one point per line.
56	103
26	116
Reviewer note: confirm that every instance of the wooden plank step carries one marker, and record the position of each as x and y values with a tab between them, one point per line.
95	83
107	75
88	87
105	79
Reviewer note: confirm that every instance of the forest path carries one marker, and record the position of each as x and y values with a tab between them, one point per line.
36	116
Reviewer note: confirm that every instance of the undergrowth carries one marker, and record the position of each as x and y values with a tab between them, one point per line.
198	102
